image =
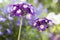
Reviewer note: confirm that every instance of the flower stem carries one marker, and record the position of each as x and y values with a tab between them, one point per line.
20	27
40	35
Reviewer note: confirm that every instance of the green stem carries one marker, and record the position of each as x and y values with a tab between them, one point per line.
40	36
20	27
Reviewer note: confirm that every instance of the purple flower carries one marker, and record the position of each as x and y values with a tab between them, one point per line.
45	10
41	24
9	31
40	9
22	9
1	33
2	19
6	9
41	6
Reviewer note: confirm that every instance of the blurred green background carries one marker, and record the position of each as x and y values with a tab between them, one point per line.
9	28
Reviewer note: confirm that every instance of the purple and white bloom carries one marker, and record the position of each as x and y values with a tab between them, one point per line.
22	9
42	27
1	33
2	19
9	31
41	24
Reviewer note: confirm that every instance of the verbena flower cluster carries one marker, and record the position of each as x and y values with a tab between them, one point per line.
22	9
42	24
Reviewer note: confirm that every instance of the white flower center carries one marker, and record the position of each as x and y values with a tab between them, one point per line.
41	26
31	10
28	16
34	24
18	11
40	19
46	21
14	8
1	18
25	6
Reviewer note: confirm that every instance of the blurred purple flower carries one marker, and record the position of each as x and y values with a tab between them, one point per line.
2	19
42	27
45	10
22	9
9	31
1	33
40	9
40	6
37	12
5	10
41	24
